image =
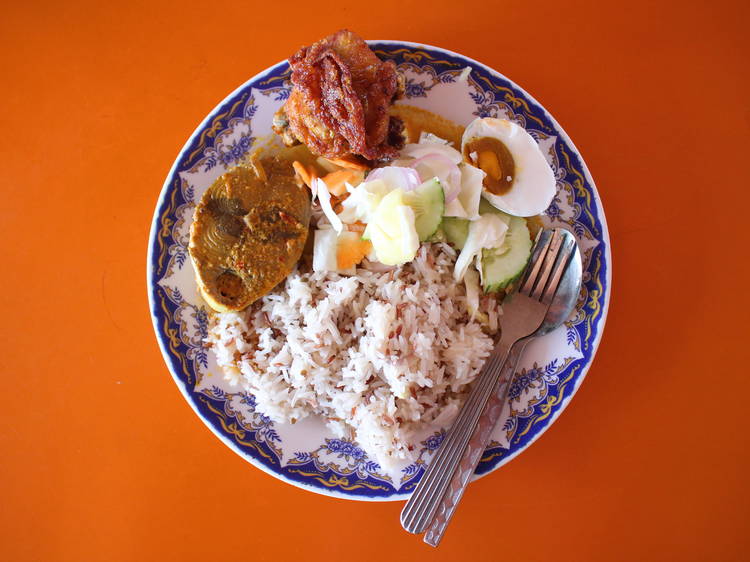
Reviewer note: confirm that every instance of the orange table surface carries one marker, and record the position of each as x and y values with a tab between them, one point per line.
102	458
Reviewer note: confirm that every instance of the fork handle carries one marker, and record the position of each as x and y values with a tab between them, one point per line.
476	447
423	503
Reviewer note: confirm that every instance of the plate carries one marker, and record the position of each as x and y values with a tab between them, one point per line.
306	454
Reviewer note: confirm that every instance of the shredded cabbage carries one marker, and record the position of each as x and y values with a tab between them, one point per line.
488	231
471	280
471	190
320	189
324	250
466	203
396	177
363	200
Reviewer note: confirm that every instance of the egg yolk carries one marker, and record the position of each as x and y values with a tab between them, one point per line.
494	158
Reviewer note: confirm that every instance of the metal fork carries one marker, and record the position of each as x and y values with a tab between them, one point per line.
523	312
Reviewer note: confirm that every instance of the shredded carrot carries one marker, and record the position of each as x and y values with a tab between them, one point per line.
350	164
306	174
356	227
327	165
336	180
351	253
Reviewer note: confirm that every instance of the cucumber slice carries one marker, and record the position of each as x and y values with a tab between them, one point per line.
428	203
438	236
456	230
502	266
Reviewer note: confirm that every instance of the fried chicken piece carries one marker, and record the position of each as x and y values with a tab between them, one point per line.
340	99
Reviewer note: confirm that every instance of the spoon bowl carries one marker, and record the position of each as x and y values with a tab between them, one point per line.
568	291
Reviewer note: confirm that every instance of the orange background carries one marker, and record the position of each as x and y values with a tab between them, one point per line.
102	459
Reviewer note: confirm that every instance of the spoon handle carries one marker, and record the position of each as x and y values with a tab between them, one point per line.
423	503
476	447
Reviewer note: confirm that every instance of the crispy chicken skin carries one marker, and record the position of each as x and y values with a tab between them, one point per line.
340	99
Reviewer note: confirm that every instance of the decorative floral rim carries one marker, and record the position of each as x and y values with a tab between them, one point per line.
255	439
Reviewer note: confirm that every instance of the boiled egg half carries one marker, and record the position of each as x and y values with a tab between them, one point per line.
518	180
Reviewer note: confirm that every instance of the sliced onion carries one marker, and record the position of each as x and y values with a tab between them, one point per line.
431	145
449	175
455	180
396	177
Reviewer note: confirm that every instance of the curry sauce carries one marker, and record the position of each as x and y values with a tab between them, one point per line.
248	233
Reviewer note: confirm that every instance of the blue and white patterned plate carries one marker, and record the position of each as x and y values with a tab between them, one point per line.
307	454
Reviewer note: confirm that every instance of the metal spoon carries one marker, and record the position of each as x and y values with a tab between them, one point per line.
560	309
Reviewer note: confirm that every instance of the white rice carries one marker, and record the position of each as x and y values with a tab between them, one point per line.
377	354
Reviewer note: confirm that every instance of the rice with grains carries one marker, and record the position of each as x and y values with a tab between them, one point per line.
377	354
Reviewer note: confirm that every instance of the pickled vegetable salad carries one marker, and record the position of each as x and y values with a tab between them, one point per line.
428	194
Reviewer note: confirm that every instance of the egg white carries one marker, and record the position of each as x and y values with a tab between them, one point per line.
533	186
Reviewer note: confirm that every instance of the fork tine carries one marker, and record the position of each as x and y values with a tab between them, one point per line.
562	264
547	265
541	245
